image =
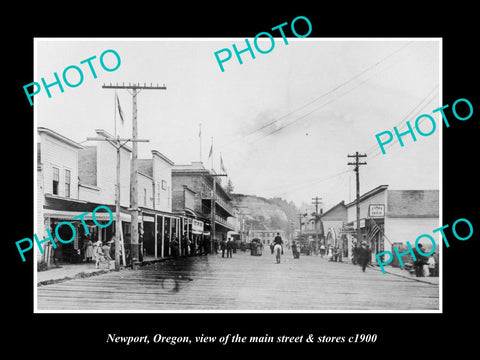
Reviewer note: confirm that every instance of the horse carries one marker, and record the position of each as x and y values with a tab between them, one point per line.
277	249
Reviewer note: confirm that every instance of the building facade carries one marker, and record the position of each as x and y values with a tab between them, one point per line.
392	217
192	197
333	221
58	197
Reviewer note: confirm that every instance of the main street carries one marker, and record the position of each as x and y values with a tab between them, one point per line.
243	282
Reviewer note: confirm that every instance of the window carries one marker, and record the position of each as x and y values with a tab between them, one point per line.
144	197
164	185
56	179
67	183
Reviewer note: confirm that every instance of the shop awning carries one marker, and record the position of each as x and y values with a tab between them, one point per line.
69	215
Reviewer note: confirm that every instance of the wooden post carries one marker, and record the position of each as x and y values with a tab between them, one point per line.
118	222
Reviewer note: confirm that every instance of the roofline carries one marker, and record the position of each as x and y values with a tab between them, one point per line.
143	174
163	157
368	194
333	207
60	137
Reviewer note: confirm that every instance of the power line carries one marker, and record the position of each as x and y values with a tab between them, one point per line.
316	109
331	90
417	107
320	97
378	151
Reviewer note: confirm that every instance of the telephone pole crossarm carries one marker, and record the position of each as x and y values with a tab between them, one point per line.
134	86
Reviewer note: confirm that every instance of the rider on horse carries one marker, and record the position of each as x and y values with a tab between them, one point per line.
278	241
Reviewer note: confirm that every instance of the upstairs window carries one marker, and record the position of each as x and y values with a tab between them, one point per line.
55	180
67	182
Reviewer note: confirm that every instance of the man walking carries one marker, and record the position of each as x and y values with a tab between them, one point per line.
363	255
229	247
419	262
223	246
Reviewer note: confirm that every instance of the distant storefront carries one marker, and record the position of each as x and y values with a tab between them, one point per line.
392	217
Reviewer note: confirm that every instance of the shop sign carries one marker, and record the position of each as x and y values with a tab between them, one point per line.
197	226
376	210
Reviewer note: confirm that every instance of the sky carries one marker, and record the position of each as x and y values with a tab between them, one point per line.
283	122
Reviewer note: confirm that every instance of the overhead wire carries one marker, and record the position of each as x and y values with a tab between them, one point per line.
378	151
419	105
318	98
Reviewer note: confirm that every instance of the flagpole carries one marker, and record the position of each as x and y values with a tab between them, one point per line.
200	136
212	153
115	112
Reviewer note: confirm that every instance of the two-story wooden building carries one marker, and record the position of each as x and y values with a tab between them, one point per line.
59	197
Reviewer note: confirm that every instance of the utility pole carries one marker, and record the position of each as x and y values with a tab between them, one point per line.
117	143
316	201
212	211
300	222
356	169
134	165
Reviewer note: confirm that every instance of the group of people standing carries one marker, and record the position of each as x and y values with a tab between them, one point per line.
99	251
187	247
425	265
228	245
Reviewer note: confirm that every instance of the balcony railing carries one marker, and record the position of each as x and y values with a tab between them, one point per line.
223	221
207	194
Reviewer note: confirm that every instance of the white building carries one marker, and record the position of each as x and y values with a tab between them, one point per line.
57	181
392	217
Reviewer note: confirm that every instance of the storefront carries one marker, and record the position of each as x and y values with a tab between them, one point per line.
73	251
158	232
392	217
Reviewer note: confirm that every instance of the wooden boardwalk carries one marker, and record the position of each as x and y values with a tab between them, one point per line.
243	282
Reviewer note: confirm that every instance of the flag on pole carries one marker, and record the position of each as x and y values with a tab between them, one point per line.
211	151
221	164
120	110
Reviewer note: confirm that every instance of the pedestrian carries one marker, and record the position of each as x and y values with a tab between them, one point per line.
223	246
431	266
112	248
271	247
229	247
106	250
174	247
206	246
98	254
188	245
322	250
335	253
435	256
355	254
89	251
330	253
192	246
363	255
419	262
